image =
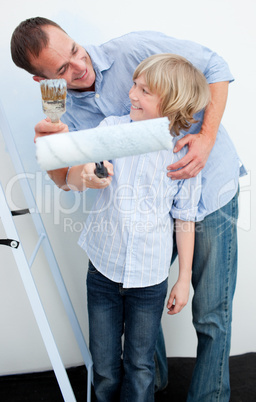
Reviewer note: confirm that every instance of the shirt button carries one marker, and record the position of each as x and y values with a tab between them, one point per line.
97	95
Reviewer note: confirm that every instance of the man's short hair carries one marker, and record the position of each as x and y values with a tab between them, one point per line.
29	39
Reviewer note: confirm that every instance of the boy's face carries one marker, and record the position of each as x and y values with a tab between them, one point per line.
63	58
145	104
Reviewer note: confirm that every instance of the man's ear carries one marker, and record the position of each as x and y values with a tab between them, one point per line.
38	79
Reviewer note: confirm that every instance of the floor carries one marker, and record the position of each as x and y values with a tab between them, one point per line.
37	387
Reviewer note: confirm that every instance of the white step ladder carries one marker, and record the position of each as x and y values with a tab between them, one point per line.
24	267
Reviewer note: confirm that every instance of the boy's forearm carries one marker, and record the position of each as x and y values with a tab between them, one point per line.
185	236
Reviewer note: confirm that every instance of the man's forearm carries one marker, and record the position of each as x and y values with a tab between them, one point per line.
215	110
59	178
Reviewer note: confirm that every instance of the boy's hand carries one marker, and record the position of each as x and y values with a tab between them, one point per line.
179	294
46	127
89	178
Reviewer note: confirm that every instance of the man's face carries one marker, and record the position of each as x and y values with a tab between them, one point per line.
63	58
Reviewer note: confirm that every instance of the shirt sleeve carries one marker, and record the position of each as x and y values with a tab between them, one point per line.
213	66
186	201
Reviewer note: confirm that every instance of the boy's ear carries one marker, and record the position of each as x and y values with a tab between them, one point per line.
38	79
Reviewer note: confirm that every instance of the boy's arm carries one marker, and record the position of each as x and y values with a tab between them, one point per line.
81	177
185	234
200	145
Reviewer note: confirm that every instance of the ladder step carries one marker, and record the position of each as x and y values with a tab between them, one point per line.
9	242
20	212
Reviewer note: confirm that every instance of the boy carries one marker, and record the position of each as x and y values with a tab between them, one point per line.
128	234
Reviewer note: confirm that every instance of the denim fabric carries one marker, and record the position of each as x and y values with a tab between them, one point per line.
123	373
214	281
161	364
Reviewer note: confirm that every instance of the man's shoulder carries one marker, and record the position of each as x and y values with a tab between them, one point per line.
134	37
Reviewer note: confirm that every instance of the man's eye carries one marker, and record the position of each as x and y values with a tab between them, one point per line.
63	70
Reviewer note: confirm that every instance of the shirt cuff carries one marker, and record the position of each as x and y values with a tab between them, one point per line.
71	189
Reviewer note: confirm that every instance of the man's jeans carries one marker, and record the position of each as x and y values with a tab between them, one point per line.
123	374
214	281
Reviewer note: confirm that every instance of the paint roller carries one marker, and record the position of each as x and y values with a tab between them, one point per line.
56	151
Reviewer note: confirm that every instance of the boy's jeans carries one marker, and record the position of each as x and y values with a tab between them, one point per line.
136	312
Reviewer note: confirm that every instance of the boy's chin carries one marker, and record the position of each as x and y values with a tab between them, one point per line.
135	116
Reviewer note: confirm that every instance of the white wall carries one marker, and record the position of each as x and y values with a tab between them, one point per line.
225	26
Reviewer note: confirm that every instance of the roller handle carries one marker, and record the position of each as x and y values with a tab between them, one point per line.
100	171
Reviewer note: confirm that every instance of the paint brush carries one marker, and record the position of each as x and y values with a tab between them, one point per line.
54	94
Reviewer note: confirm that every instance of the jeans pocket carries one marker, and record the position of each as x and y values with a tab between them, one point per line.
91	268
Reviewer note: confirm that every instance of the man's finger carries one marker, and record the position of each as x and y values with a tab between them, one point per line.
181	163
181	143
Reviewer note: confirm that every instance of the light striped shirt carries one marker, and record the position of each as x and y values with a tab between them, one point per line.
114	63
128	235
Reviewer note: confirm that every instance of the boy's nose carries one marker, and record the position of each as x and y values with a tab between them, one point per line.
132	93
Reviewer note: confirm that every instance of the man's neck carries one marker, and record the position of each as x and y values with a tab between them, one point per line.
91	89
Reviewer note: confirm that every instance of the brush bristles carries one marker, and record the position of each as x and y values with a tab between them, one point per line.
53	89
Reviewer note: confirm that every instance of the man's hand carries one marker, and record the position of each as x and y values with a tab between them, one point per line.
199	148
46	127
200	145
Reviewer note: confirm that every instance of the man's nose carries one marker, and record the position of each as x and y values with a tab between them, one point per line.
77	64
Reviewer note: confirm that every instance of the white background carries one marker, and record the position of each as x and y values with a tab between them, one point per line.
228	27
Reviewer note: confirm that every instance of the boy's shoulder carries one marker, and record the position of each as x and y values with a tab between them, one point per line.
114	120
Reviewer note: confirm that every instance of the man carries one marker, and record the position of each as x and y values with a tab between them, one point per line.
99	78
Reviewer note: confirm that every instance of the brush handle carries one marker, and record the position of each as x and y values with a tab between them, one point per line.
101	170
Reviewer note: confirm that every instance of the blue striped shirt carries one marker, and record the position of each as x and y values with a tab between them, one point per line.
129	233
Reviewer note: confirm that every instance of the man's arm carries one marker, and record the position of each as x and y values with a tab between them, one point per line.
46	127
200	145
185	234
59	178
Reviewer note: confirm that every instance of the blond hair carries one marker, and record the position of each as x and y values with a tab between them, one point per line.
182	88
